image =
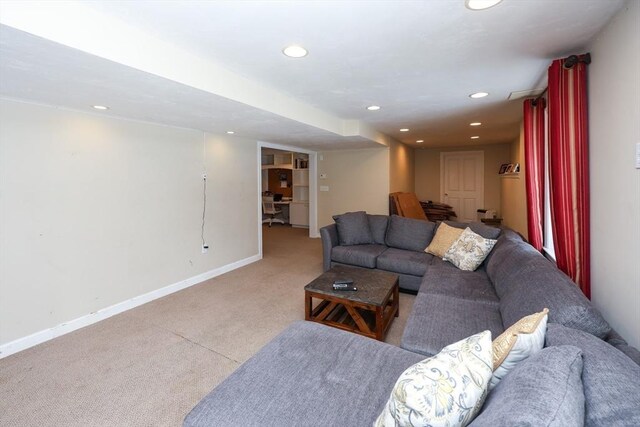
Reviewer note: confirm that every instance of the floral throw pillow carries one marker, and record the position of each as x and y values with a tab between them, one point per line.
446	389
468	252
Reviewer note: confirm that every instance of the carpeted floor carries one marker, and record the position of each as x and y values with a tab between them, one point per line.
149	366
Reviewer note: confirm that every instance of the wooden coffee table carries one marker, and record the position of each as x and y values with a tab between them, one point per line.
368	311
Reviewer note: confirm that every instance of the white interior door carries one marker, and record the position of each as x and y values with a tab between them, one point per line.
462	182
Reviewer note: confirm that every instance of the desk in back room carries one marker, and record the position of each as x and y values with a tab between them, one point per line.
284	206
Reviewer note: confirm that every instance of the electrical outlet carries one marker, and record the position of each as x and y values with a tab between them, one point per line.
204	176
205	249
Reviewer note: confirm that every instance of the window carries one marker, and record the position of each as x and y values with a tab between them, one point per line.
547	232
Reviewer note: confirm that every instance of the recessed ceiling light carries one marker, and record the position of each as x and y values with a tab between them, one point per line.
230	132
475	124
294	51
420	141
480	4
475	137
404	130
100	107
373	107
478	95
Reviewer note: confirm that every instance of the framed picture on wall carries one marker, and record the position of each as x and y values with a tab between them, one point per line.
503	168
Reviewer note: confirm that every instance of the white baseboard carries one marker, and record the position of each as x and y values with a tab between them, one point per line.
88	319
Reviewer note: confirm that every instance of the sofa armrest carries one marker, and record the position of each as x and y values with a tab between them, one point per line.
329	235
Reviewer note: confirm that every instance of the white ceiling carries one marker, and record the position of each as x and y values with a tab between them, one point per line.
419	60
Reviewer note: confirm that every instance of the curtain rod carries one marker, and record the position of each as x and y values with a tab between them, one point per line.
569	62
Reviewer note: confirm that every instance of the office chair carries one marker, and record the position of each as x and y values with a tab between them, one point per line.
269	209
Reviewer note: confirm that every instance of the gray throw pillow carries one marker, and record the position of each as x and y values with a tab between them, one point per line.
611	379
353	229
378	225
408	233
543	390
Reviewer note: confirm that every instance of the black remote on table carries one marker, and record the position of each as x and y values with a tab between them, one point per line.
344	285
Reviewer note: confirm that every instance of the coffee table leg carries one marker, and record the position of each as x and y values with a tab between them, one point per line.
307	306
396	299
379	323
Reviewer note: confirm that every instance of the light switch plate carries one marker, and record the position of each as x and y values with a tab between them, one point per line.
324	188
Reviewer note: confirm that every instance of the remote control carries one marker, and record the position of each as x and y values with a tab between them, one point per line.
343	282
344	287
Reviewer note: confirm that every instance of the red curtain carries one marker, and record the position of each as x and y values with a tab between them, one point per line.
569	170
534	140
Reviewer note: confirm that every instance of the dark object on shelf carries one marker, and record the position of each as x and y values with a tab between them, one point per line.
407	205
492	221
437	211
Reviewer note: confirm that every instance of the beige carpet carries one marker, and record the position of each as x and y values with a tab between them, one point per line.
149	366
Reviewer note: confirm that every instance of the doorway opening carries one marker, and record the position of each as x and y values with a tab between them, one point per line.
287	197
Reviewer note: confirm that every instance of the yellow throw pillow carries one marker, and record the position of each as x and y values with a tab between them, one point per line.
444	238
521	340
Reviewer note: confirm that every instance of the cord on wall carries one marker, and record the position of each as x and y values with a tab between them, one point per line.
205	247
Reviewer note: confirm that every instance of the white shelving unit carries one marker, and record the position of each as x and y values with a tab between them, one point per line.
299	208
277	161
274	161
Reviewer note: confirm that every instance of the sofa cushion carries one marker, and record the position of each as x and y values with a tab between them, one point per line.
469	251
378	226
618	342
438	320
403	261
353	228
520	341
360	255
508	258
443	239
505	235
453	396
410	234
611	379
310	374
442	278
541	285
408	282
484	230
544	390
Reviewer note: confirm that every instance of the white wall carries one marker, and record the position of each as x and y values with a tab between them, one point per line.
614	130
358	180
95	211
402	175
514	190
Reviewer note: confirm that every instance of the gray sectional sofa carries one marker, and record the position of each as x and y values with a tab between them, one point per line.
397	245
315	375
